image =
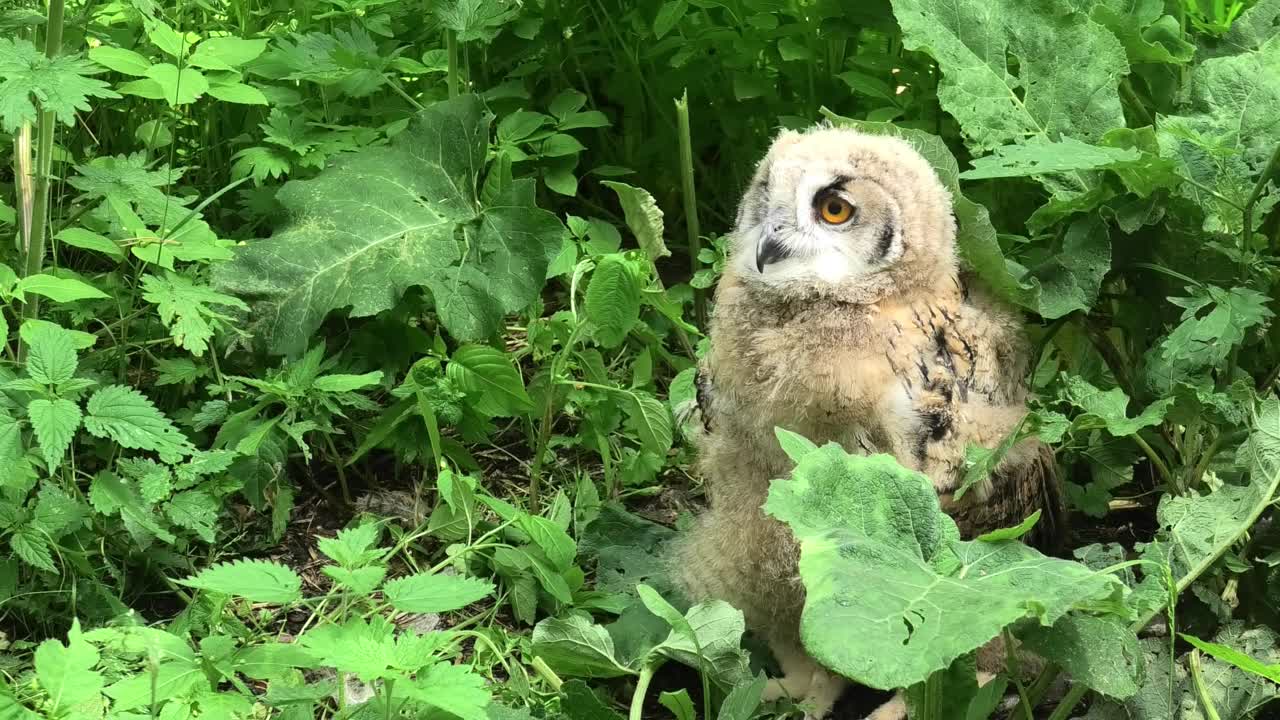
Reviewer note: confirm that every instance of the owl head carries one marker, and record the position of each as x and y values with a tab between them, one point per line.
832	211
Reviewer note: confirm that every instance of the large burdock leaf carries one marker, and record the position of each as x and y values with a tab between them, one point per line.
867	522
1065	81
383	219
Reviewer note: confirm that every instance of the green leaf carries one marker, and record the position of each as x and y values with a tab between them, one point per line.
55	422
169	41
56	512
476	20
255	580
865	521
742	701
33	549
1100	652
86	240
120	60
1072	279
613	299
110	496
196	511
1236	658
1109	409
1040	156
492	382
669	16
1012	533
346	383
52	357
178	87
59	84
1148	35
361	581
126	416
795	445
1205	339
238	93
59	289
573	645
679	704
354	546
183	307
386	218
452	688
650	420
644	218
66	672
428	593
226	53
973	41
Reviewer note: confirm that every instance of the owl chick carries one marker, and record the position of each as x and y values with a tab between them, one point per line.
842	315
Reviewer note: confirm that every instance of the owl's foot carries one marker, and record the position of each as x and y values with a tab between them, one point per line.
805	682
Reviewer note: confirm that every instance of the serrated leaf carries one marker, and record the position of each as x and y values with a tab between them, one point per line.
612	302
52	357
426	593
1100	652
385	218
111	496
361	581
183	306
452	688
59	289
972	43
644	218
650	420
1108	409
194	510
866	521
476	20
126	416
254	580
493	384
60	84
66	672
57	513
353	546
55	422
33	549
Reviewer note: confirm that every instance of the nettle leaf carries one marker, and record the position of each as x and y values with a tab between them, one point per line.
353	547
491	380
61	84
110	495
650	420
383	219
427	593
254	580
644	218
612	302
194	510
868	522
128	417
52	358
452	688
33	549
55	422
183	308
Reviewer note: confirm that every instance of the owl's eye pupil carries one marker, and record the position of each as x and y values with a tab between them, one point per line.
833	207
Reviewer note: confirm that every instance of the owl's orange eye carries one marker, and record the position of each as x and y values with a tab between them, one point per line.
834	209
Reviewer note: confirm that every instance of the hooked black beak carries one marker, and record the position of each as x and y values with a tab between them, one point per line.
769	250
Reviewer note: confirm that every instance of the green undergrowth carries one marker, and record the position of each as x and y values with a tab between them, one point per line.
345	345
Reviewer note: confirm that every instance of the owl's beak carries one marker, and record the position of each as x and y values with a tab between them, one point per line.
769	250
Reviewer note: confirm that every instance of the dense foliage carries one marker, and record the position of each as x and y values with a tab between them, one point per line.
342	344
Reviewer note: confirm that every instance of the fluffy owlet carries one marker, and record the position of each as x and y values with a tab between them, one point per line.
842	315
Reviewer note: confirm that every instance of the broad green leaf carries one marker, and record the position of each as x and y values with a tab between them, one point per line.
1040	156
1068	68
361	581
254	580
427	593
54	422
554	542
1101	652
111	496
52	356
644	218
1073	278
475	20
669	16
273	660
492	382
56	512
1205	339
650	420
353	546
169	41
226	53
126	416
59	289
179	86
61	85
452	688
194	510
1148	35
120	60
86	240
1011	533
865	521
795	445
575	646
1109	409
386	218
66	672
743	700
238	93
33	549
679	703
613	299
347	383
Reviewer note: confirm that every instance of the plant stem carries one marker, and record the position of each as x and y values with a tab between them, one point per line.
1246	243
1158	463
1011	664
386	701
692	225
642	687
34	249
1202	692
451	40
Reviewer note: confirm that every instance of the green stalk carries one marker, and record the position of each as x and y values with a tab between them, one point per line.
1202	692
692	226
451	41
1246	241
34	249
642	687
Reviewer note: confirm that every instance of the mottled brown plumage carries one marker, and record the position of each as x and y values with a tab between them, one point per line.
863	333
